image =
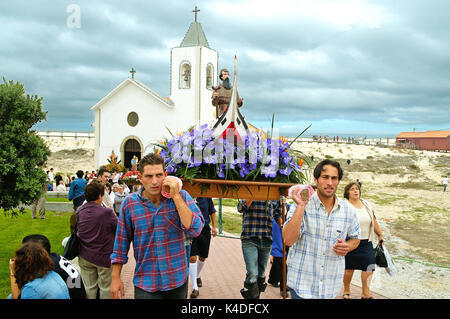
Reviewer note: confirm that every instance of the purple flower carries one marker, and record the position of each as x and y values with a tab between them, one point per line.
245	169
186	138
221	170
269	171
286	171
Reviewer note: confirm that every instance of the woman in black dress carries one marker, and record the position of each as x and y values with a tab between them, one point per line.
362	258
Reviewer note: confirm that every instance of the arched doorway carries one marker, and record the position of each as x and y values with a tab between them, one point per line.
131	148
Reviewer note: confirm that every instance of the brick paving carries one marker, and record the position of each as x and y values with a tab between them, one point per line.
223	274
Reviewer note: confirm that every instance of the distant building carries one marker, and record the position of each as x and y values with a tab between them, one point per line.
429	140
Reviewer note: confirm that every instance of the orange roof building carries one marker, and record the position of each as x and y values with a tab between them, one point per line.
429	140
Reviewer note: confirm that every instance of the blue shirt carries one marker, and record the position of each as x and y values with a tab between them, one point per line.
207	208
277	244
76	188
51	286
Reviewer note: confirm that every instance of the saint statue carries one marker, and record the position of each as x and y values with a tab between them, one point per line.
222	94
134	162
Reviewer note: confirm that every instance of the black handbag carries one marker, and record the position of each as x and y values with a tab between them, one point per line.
72	248
380	258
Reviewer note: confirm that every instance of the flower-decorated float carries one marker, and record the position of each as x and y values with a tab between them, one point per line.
230	159
114	164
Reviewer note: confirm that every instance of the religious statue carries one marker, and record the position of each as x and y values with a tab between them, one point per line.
222	93
230	121
134	162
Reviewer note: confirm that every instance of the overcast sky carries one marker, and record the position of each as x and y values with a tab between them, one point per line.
370	68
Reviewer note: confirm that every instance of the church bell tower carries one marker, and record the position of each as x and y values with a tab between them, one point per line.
193	73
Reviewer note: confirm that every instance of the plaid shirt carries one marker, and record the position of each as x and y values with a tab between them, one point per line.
314	269
256	221
158	241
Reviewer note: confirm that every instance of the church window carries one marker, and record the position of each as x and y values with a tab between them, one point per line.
209	76
185	75
133	119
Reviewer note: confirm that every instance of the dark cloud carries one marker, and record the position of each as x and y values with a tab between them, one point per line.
385	68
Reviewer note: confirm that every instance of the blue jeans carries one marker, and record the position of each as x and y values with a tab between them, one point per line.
188	254
294	294
177	293
256	255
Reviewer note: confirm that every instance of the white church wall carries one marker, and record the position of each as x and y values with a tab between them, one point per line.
184	98
207	110
150	127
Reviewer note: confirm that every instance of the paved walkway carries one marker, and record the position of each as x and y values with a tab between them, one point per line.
223	274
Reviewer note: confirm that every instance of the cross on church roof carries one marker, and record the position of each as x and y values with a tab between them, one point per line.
133	71
196	11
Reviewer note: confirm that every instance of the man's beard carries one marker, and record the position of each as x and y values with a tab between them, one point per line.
226	83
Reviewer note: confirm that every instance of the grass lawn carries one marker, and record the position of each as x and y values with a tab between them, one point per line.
55	227
57	199
231	223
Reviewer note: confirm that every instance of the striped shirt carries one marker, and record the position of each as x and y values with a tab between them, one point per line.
256	220
158	241
314	269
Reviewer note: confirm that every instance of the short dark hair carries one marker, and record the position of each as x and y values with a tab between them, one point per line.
347	189
80	173
151	159
38	238
102	170
319	168
93	190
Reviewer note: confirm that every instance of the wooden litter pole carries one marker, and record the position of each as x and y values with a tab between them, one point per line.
283	218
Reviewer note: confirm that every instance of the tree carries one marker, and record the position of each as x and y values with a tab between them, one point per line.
22	152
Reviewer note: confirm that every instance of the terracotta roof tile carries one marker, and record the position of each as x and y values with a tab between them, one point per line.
427	134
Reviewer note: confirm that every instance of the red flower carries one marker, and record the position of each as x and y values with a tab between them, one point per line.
131	173
300	162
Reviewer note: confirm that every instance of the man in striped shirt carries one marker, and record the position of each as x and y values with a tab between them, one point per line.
320	232
156	225
256	240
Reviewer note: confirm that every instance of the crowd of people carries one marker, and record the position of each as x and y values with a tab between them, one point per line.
61	182
326	238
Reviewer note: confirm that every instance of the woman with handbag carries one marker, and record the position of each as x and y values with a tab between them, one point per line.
362	258
96	232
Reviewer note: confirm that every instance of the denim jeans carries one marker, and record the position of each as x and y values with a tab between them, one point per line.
188	254
294	294
177	293
256	255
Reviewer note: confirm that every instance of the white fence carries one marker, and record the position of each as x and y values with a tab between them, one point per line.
386	141
69	135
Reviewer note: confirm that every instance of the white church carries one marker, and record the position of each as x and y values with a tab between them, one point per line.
132	116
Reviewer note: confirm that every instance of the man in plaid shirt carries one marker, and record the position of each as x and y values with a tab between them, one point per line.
320	232
256	240
156	225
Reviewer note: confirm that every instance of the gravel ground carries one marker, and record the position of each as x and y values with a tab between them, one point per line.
412	280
